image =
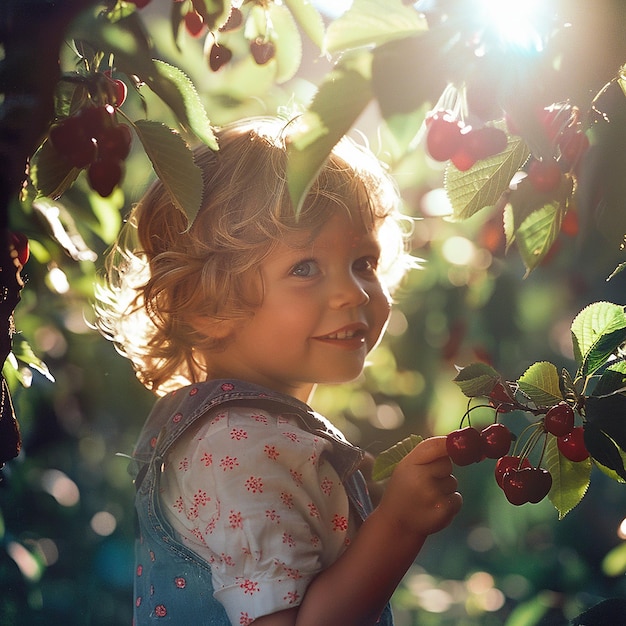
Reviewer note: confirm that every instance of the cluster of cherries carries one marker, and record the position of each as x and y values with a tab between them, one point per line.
520	481
450	139
92	138
565	132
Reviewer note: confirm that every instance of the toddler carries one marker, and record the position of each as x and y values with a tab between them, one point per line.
251	506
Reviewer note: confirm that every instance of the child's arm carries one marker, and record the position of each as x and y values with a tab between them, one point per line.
420	499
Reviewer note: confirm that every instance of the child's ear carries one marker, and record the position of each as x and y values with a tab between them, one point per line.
213	327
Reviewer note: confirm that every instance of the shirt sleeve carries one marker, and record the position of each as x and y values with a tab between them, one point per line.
255	496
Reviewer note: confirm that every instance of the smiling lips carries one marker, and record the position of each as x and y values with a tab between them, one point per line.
349	337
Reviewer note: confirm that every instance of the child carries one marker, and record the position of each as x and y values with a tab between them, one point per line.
251	507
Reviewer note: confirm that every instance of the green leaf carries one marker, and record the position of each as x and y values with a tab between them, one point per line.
309	20
483	184
597	331
23	352
386	461
605	453
195	113
608	414
614	562
50	173
537	233
288	43
316	132
540	382
477	379
373	22
613	380
173	162
570	480
620	268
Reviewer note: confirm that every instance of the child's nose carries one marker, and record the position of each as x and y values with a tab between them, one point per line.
348	291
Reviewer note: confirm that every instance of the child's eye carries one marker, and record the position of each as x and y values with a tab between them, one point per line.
366	265
305	269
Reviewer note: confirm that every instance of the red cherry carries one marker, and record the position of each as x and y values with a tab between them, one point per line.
194	24
464	446
262	51
96	120
463	160
559	420
507	462
572	446
544	176
219	56
114	143
485	142
20	242
528	484
443	138
496	440
103	176
570	225
70	140
501	398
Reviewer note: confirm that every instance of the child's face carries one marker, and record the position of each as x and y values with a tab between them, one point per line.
323	310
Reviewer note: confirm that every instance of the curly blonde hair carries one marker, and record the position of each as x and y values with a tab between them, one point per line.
161	274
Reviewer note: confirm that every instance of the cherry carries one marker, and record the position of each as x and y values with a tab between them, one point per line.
443	138
572	446
114	142
507	462
485	142
219	56
527	484
96	119
19	241
464	446
262	51
70	140
463	160
103	175
501	398
559	420
496	440
118	88
194	24
544	176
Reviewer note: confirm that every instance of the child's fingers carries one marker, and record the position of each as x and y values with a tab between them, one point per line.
429	450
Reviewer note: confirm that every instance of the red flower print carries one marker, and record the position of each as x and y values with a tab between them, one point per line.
193	391
288	540
287	499
210	527
245	619
218	418
262	419
235	519
326	486
291	436
227	559
179	505
292	597
271	452
227	386
238	434
176	419
183	466
340	522
160	610
207	459
313	510
180	582
198	535
249	586
201	498
315	541
228	463
254	484
192	513
296	477
272	516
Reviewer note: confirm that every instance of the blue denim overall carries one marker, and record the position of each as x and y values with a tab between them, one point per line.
173	584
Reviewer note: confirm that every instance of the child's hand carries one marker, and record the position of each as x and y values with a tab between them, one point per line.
421	496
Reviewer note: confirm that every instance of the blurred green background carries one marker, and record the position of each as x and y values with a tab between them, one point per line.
66	513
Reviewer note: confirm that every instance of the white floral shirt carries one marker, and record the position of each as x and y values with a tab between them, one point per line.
254	495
